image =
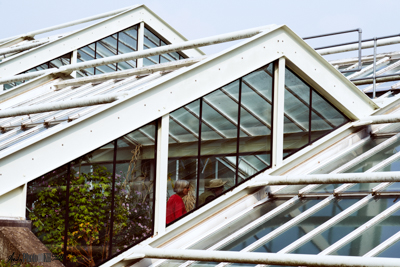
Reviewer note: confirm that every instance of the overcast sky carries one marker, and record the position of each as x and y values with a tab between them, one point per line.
201	18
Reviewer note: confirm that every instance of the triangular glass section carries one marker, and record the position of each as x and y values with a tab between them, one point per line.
308	116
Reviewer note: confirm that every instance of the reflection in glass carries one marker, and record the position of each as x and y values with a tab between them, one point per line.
111	200
134	187
90	199
46	207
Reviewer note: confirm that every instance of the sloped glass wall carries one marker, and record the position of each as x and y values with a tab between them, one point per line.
221	139
99	204
224	138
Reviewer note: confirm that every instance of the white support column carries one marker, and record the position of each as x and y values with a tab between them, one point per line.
140	43
162	174
74	59
278	111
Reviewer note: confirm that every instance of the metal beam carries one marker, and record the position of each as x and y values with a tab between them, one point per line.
378	119
170	66
68	24
60	105
259	258
222	38
332	178
22	47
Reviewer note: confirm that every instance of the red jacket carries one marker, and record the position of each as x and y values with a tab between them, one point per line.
175	208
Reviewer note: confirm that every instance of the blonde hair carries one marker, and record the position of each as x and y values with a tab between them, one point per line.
180	185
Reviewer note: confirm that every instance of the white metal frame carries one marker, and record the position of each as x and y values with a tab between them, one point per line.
123	19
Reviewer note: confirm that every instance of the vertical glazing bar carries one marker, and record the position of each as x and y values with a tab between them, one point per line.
374	74
140	43
155	178
74	59
160	211
199	152
95	56
116	64
309	117
359	48
278	111
112	198
66	213
238	133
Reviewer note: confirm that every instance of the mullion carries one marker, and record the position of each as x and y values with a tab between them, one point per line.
238	132
66	214
113	196
116	64
95	56
309	117
155	176
199	152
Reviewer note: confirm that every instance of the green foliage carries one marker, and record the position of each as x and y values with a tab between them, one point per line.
90	200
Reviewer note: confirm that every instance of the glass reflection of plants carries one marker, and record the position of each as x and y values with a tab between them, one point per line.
133	207
90	196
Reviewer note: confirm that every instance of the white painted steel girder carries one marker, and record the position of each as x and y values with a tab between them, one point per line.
333	178
222	38
259	258
76	103
378	119
127	73
22	47
68	24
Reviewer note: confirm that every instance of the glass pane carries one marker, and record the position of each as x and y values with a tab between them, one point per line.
345	226
297	113
267	227
374	235
134	188
151	41
237	224
127	42
183	152
217	164
256	118
90	198
46	206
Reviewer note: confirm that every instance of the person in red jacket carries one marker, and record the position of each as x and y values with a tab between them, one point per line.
175	206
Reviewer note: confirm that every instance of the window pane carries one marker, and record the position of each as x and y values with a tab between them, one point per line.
183	152
343	227
46	206
296	121
256	118
90	198
134	188
217	165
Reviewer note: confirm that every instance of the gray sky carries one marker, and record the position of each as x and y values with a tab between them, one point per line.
201	18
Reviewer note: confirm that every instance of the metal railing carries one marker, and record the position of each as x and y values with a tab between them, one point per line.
336	45
360	41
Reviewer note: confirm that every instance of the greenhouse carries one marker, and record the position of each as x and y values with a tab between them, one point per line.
123	144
